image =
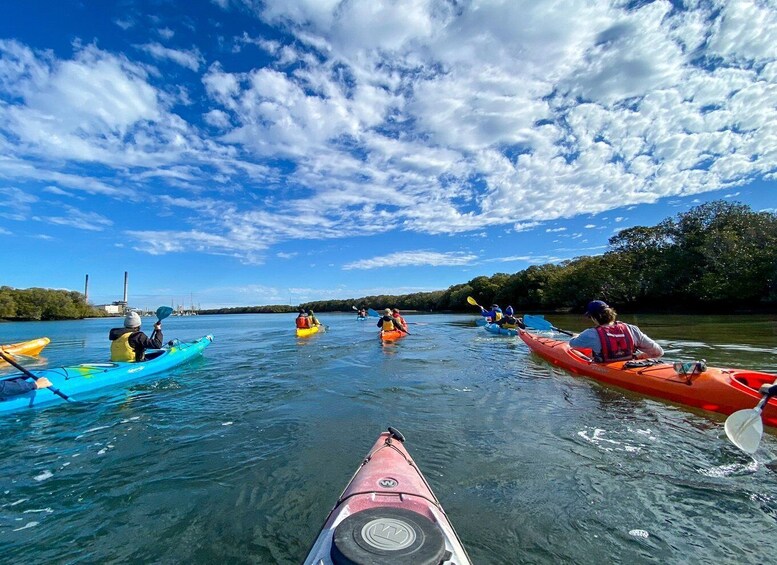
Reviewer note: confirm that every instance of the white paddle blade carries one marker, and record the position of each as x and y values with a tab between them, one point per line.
744	428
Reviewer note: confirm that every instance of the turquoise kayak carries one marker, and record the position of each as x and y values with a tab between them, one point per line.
78	381
497	329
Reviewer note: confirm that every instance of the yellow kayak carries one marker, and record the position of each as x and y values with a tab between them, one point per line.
305	332
32	347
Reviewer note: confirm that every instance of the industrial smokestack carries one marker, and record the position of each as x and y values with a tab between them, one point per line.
125	287
86	289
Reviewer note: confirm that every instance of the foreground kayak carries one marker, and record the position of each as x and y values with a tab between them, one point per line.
387	514
501	330
31	347
77	381
305	332
713	389
391	335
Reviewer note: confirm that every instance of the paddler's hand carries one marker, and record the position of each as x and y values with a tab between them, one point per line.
158	326
42	382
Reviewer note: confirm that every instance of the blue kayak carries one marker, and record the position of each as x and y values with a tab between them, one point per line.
497	329
77	381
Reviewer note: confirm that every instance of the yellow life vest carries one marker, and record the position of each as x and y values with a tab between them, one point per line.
388	325
121	350
498	316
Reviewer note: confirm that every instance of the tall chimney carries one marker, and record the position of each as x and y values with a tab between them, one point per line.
125	287
86	289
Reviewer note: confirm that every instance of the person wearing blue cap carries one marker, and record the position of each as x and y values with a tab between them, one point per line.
610	340
493	315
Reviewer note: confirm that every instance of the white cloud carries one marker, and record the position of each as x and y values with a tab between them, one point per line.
423	116
413	259
75	218
190	59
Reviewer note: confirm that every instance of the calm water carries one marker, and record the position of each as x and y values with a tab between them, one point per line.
238	457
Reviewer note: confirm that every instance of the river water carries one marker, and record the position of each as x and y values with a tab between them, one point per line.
238	456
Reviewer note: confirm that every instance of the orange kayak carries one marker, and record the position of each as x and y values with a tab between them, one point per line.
32	347
391	335
692	384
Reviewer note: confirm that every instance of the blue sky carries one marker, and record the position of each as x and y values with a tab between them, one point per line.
237	152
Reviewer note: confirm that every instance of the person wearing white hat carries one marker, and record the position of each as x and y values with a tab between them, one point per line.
129	344
388	323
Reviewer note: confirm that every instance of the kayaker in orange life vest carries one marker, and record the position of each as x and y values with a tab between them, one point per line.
129	344
303	321
388	323
398	318
610	340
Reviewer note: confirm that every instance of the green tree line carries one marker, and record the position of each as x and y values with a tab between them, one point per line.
44	304
716	257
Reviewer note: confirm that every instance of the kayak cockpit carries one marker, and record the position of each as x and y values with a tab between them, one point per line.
752	379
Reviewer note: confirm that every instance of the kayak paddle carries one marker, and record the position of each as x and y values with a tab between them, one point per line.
163	312
540	323
744	427
474	302
32	376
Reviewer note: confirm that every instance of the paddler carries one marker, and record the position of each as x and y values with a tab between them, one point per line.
493	315
129	344
399	319
610	340
20	385
388	323
303	320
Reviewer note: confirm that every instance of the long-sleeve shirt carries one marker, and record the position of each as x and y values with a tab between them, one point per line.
589	339
139	341
17	385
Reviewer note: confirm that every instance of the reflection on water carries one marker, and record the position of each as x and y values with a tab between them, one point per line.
239	456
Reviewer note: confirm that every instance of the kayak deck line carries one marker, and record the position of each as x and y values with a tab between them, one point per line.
722	390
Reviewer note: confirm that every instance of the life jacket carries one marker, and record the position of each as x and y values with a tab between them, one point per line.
121	350
303	322
388	324
497	315
617	342
400	320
